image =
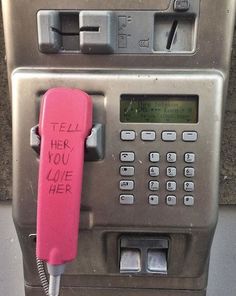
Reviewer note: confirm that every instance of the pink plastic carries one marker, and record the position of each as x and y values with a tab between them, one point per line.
65	122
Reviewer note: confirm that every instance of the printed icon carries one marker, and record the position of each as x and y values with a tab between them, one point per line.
144	43
122	41
122	23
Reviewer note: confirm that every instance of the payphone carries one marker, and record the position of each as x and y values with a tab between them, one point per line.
156	72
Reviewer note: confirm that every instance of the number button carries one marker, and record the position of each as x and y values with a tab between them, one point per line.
189	157
126	185
171	171
188	200
188	186
189	172
171	186
153	200
127	135
171	200
154	171
126	171
154	157
127	156
153	185
171	157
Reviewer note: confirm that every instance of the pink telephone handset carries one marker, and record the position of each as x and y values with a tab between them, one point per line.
65	123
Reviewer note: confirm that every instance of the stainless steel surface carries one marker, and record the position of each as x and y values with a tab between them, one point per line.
104	220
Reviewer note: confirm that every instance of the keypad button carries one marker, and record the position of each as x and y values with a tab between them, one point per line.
126	199
148	135
154	171
154	157
171	157
189	136
189	172
170	186
171	171
153	200
153	185
189	157
126	185
171	200
189	200
126	171
127	156
127	135
168	136
188	186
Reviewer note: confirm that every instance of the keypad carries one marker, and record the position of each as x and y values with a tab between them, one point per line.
170	176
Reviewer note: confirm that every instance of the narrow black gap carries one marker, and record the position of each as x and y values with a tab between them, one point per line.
89	29
64	34
171	34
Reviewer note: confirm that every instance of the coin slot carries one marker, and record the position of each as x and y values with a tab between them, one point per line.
172	34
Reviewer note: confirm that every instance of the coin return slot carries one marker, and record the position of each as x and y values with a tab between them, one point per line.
89	29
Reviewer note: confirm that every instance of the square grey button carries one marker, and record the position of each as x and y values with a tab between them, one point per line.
153	200
126	199
126	185
153	185
127	156
148	135
188	200
189	172
127	171
171	171
168	136
127	135
171	157
154	171
171	200
189	136
189	157
188	186
154	156
170	186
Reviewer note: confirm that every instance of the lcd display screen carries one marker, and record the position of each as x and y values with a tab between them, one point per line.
159	109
